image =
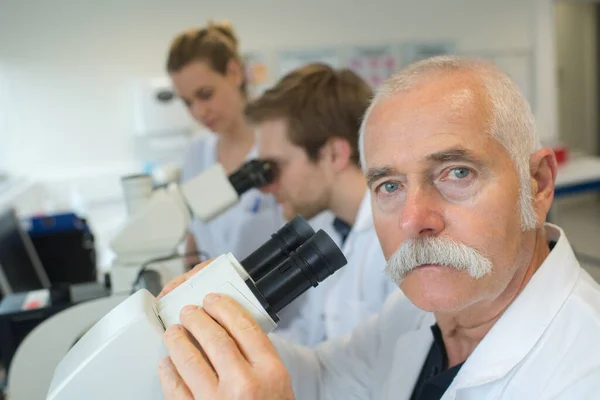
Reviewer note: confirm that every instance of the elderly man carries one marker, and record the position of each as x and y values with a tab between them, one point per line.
499	306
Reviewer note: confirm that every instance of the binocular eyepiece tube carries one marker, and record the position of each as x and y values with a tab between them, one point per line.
292	261
253	174
278	248
308	266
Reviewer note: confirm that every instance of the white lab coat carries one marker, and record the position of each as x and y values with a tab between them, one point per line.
347	298
242	228
545	346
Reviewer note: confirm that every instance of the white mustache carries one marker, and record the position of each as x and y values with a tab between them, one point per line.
444	251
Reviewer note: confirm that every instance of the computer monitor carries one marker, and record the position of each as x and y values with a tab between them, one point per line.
20	267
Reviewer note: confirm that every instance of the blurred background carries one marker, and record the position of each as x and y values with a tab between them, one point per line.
79	86
70	74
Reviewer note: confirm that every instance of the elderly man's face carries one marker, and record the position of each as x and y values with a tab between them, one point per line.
435	172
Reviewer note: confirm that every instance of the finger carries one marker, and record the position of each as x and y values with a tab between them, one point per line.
197	268
250	338
221	350
189	362
172	284
173	387
178	280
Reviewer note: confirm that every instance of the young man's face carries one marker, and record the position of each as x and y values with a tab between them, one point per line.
301	186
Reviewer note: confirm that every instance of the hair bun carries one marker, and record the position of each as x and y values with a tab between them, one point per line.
225	29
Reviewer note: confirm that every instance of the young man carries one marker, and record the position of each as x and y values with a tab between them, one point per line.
308	125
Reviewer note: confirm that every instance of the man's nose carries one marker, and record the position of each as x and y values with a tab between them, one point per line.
421	214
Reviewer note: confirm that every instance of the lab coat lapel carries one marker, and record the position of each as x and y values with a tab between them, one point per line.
525	321
409	355
364	221
364	217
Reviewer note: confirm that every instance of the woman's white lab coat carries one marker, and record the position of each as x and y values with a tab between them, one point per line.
347	298
545	346
242	228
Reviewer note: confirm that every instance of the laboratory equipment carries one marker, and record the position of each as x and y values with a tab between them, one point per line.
118	357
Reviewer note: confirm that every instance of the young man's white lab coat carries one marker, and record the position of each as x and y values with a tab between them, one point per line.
349	297
545	346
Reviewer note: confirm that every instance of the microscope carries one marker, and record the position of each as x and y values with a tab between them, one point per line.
118	357
159	219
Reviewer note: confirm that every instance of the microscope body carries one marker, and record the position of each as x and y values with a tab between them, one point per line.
118	358
160	220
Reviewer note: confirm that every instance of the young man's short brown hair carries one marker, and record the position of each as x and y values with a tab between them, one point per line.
318	103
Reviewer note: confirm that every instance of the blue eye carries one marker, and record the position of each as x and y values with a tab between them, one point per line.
390	187
460	173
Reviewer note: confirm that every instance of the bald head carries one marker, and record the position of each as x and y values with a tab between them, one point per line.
475	89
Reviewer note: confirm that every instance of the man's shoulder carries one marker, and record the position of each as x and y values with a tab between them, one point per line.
569	351
576	326
580	315
583	304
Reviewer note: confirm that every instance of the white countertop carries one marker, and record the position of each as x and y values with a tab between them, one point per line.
578	170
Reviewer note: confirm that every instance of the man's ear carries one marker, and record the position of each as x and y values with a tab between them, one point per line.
543	169
338	152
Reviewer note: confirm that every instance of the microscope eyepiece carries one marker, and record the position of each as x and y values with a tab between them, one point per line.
322	257
253	174
278	248
308	266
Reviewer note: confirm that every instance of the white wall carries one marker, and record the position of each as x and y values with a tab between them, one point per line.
66	67
577	71
544	47
68	64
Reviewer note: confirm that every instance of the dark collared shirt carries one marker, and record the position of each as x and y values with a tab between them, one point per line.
342	228
435	377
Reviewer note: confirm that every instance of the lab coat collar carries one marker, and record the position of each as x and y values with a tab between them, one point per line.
525	321
411	349
364	218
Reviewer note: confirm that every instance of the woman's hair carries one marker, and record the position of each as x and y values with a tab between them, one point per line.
216	43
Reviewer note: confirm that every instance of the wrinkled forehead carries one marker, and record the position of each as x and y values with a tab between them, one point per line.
448	113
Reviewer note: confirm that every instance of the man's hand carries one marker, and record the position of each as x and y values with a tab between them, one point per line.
244	362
